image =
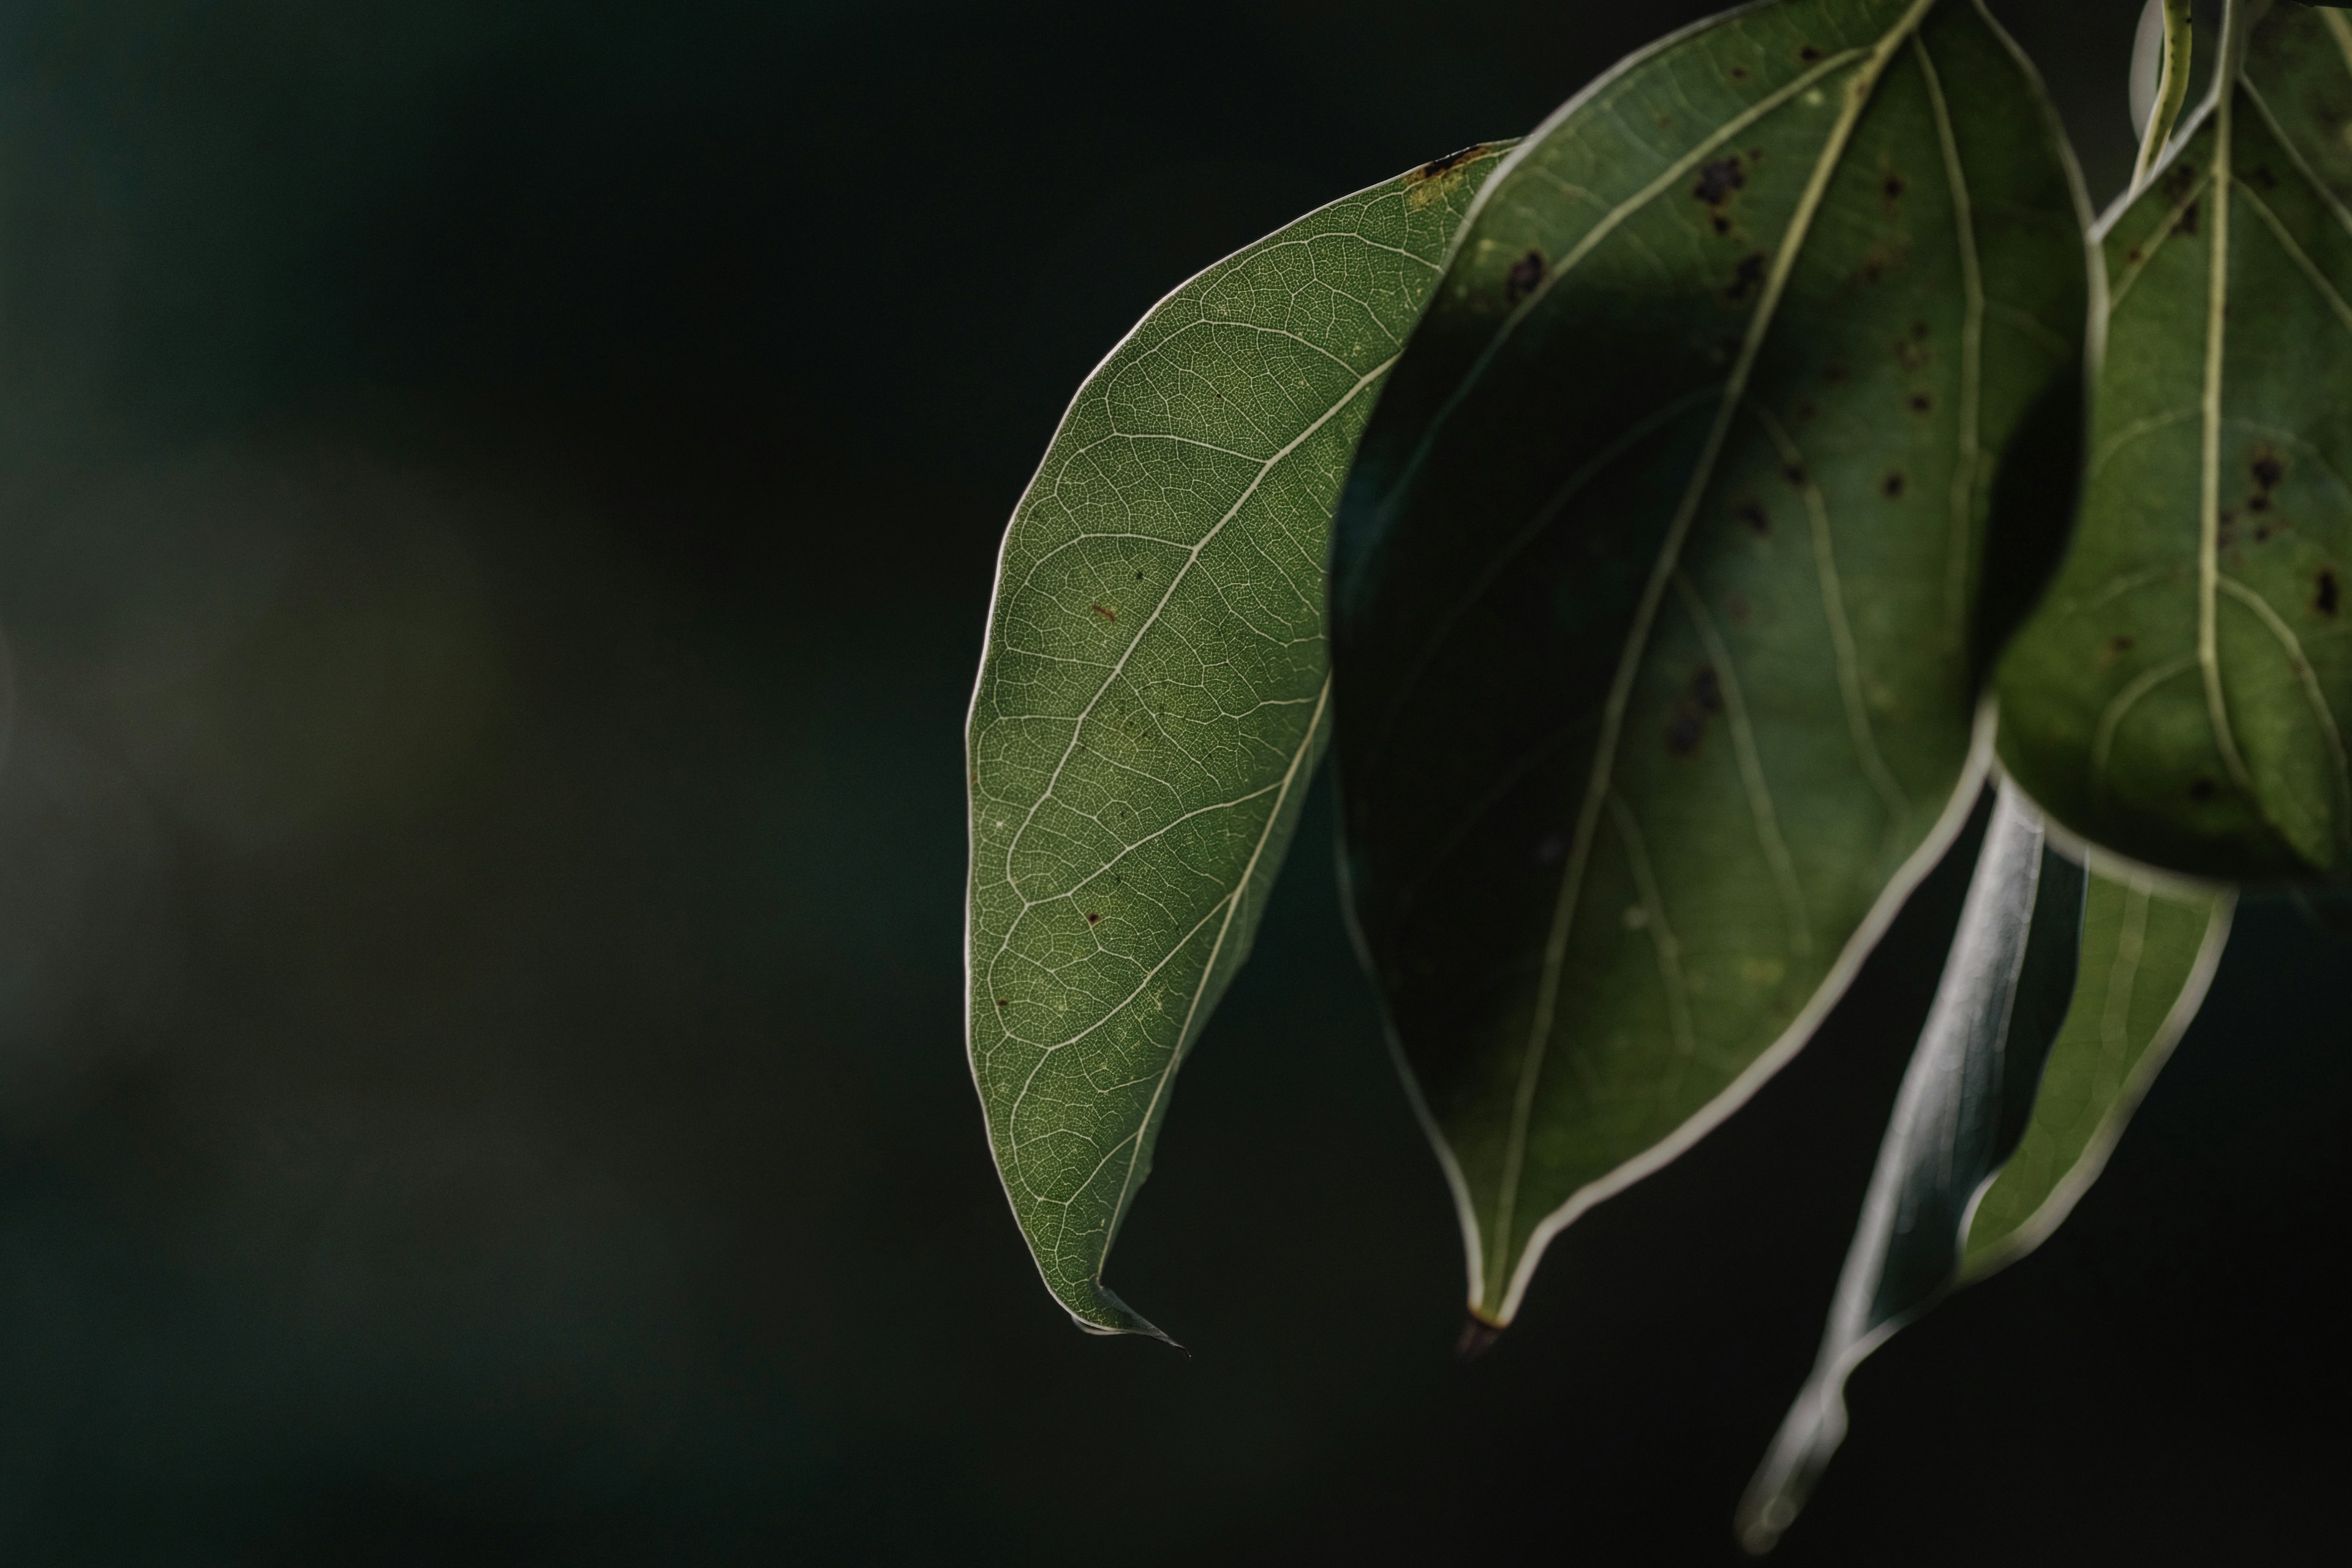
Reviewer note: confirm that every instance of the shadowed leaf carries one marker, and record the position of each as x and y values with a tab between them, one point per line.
1659	583
1152	694
2177	697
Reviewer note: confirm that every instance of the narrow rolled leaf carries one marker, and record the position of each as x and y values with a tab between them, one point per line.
2176	697
2159	77
1659	586
2149	950
1152	694
1962	1108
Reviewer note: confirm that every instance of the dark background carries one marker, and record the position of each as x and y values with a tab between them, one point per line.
496	507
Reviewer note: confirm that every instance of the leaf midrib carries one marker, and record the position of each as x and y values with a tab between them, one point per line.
1859	94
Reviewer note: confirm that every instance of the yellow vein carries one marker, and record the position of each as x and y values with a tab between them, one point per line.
1752	773
2312	694
1239	897
1604	761
2148	247
1964	471
1192	558
1605	226
2209	502
2102	741
1661	935
2301	259
1849	656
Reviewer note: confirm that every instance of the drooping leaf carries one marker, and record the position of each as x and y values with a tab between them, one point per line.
1152	694
2149	950
1962	1108
1660	578
2177	696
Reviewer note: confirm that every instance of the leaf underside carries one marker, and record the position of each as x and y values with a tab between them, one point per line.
1963	1105
2177	697
2064	997
1661	578
2149	947
1152	694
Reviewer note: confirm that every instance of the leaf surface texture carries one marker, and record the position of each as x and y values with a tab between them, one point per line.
1152	695
1661	581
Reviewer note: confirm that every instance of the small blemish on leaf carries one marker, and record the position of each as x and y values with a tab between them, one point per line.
1748	274
2264	178
1683	734
2188	224
1795	474
2119	644
1891	486
1717	179
1921	403
1808	54
1893	188
1004	1001
1836	374
1525	277
1735	606
1738	73
1706	691
2325	600
1451	162
1752	513
2202	789
1092	917
1106	613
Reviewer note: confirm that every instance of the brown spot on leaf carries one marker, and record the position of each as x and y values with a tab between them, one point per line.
1806	413
1092	917
1525	277
2268	470
2188	224
1722	224
2131	257
1106	613
1717	179
1748	274
1752	513
1920	403
2119	644
1892	187
2263	177
1738	73
1004	1001
1795	474
2202	789
1836	374
2180	181
1808	54
1706	691
2324	600
1891	486
1447	164
1683	733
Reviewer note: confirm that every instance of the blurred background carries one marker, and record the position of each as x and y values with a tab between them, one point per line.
496	507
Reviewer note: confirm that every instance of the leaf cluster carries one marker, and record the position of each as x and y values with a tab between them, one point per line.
1687	527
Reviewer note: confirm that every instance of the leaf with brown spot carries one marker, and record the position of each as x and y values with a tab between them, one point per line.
1531	570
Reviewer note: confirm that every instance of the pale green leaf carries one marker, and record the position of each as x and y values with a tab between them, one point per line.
1661	580
2149	949
2177	697
1152	694
1963	1105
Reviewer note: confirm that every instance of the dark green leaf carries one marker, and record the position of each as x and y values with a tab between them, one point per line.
1152	694
1660	579
2175	699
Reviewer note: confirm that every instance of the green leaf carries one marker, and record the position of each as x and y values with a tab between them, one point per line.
1152	694
1962	1108
1659	581
2149	950
2176	697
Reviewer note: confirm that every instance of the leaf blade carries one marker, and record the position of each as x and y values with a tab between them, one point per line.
1510	863
1959	1114
1153	696
2177	697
